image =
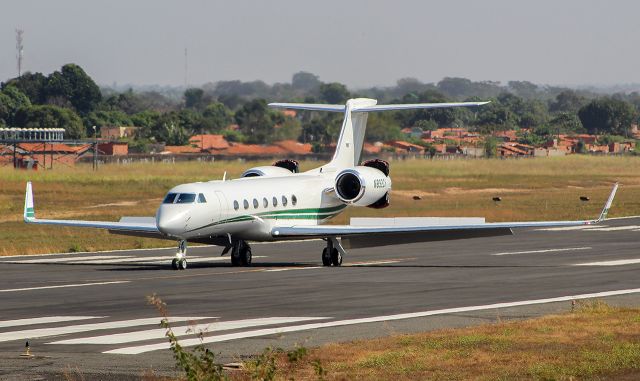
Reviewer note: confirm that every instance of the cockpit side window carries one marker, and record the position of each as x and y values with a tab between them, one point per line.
186	198
171	197
201	198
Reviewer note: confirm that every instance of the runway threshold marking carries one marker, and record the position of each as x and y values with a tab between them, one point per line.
305	327
44	320
45	332
619	262
159	333
544	251
65	286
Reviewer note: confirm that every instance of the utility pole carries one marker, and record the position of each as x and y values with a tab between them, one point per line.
19	50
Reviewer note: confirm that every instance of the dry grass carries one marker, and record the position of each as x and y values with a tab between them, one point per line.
530	189
595	342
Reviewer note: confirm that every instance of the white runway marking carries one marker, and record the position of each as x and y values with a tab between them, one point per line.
569	228
620	262
544	251
130	259
159	333
376	319
615	228
64	286
45	332
43	320
66	259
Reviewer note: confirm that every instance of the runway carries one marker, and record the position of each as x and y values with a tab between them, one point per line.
88	310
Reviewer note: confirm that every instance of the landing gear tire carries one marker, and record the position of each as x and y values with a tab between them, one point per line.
241	254
336	257
182	264
245	256
326	257
174	264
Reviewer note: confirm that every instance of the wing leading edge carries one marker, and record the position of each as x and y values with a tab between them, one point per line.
141	227
366	236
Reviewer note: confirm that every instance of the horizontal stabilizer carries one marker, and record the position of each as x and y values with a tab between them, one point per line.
372	108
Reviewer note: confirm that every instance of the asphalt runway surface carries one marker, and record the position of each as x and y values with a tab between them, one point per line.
88	311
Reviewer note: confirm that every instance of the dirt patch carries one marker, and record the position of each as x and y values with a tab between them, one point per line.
122	203
411	193
483	190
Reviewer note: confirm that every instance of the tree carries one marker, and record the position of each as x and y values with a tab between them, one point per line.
524	89
305	81
567	101
382	127
72	84
566	122
215	117
33	85
334	93
490	146
257	122
289	130
607	116
48	116
107	118
11	100
195	98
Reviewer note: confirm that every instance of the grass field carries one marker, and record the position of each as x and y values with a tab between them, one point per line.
530	189
595	342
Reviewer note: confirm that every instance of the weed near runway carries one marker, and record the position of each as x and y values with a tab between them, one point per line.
530	189
594	342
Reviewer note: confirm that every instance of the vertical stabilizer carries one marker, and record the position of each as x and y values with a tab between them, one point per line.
351	138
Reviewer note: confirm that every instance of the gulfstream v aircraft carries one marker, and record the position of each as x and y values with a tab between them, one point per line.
275	203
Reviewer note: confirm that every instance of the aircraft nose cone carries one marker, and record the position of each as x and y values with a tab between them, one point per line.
171	222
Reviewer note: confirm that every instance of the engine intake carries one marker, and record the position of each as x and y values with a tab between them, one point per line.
362	186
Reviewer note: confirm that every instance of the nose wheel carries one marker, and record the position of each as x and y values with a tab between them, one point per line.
180	261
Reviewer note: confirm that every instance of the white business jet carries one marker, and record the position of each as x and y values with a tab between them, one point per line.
276	203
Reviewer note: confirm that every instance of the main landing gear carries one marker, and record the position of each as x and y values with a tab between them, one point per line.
240	253
180	261
332	254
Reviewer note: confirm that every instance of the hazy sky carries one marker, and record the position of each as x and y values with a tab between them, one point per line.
360	43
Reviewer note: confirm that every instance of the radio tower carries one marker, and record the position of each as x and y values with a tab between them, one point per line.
186	67
19	50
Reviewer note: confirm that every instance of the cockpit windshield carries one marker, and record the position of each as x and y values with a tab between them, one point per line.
186	198
171	197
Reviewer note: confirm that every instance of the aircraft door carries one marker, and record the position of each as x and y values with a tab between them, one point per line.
221	210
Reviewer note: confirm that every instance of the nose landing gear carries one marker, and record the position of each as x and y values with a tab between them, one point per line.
180	261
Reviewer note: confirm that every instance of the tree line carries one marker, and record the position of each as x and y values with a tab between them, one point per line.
70	99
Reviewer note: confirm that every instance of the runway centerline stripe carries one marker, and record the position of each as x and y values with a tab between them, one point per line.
131	259
619	262
545	251
65	286
376	319
45	332
43	320
159	333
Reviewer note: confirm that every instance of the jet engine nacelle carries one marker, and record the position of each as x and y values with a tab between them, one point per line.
362	186
279	168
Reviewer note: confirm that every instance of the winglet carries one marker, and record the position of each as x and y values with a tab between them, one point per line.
607	206
29	212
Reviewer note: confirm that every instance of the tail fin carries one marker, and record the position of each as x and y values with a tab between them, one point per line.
354	125
29	211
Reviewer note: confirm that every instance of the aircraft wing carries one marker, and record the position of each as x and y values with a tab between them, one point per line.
368	236
144	227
